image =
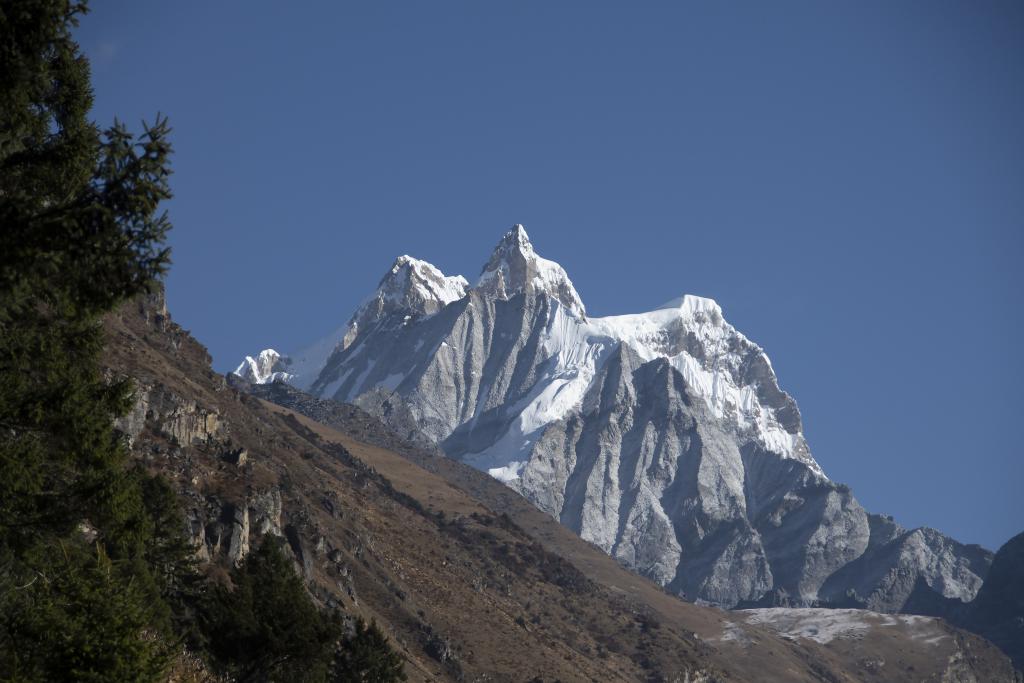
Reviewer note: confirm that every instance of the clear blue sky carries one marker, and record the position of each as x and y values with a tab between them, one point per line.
846	179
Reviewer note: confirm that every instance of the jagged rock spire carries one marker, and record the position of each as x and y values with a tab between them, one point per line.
515	267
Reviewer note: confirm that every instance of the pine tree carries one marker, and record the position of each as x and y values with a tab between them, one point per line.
266	627
367	657
80	621
80	233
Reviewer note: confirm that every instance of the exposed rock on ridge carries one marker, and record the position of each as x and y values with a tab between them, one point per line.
515	268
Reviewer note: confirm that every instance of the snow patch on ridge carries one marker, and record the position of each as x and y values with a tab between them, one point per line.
824	625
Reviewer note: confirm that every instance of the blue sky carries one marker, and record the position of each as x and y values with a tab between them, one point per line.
846	179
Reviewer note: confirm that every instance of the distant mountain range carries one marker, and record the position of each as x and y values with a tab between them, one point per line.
661	437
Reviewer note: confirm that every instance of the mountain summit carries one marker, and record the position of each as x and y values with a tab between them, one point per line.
268	366
412	286
515	268
662	437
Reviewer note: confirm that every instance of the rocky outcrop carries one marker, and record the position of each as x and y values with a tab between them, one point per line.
238	547
183	420
218	528
223	529
883	578
265	508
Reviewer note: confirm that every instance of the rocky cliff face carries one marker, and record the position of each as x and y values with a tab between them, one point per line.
662	437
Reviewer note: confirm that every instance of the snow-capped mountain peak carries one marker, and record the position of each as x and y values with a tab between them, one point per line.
515	267
419	286
663	436
266	367
411	286
517	236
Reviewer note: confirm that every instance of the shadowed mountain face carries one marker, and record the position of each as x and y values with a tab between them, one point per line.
998	611
661	437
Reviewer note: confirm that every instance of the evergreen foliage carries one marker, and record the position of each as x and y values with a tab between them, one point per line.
81	233
366	657
81	620
266	627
